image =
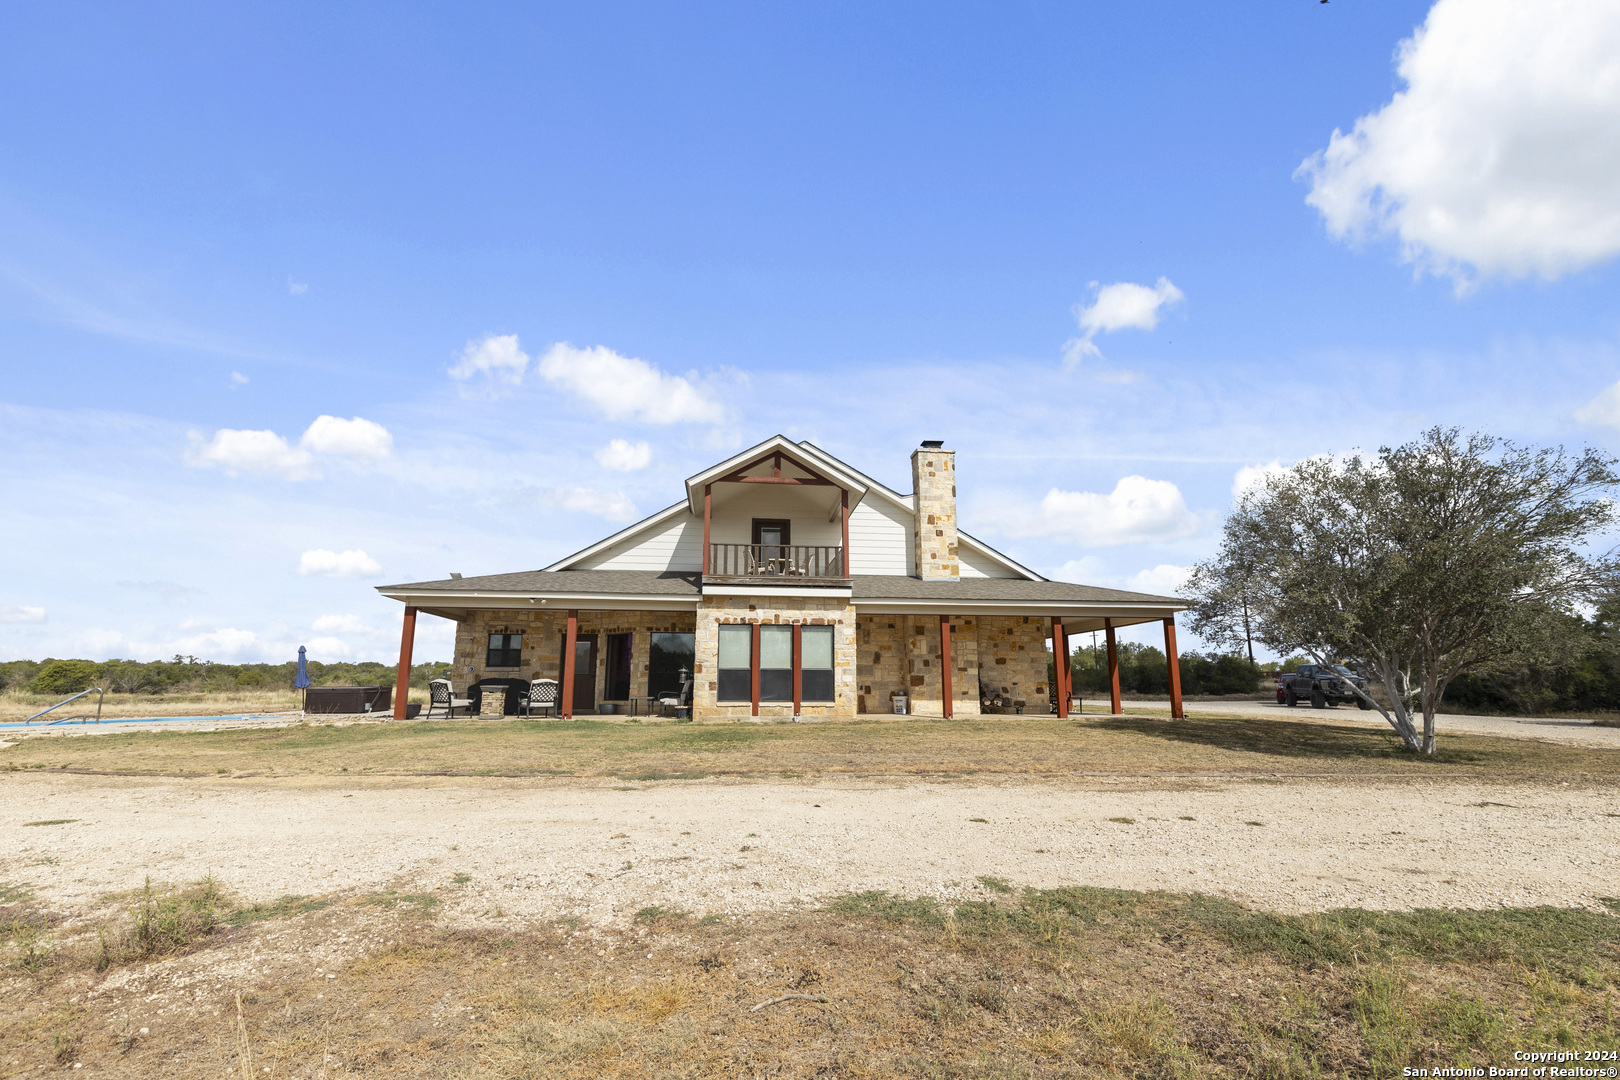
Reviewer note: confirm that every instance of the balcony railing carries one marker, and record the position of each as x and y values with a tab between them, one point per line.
785	562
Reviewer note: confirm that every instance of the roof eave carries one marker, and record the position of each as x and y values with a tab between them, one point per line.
836	472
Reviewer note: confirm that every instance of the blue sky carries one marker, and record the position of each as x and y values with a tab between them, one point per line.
487	242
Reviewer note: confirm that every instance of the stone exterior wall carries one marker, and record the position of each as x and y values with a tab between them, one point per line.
874	656
901	654
933	478
782	610
1012	659
542	643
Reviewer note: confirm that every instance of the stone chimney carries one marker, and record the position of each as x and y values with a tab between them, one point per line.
933	478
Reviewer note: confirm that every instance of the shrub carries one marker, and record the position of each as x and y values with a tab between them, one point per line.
64	676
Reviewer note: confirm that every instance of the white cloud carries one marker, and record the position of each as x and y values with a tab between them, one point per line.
498	357
1161	580
225	644
250	451
23	614
624	456
296	288
361	440
1137	510
327	649
1603	410
340	624
266	452
238	379
625	388
338	564
612	505
1120	306
1501	154
1250	475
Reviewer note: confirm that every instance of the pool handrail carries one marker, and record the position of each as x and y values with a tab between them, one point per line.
81	717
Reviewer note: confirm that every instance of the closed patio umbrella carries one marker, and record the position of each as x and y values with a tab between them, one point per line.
301	680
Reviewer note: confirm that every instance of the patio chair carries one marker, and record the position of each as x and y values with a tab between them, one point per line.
675	700
441	696
542	695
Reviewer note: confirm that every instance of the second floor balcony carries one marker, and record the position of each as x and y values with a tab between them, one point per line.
781	563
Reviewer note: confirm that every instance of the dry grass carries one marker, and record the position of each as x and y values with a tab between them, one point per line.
18	704
1017	745
1057	983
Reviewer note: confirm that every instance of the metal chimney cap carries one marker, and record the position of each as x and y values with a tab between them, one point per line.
933	444
455	576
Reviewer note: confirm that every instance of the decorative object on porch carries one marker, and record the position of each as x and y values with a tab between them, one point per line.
542	696
440	696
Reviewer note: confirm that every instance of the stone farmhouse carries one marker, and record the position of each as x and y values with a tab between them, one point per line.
785	584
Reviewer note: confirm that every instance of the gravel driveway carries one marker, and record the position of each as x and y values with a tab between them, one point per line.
602	850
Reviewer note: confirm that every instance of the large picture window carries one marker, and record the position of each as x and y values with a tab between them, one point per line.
776	663
736	663
671	653
505	650
816	662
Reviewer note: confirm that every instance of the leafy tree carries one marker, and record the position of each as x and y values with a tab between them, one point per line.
65	676
1444	556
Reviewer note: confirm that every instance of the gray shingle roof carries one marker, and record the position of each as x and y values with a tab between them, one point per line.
1012	590
637	582
866	587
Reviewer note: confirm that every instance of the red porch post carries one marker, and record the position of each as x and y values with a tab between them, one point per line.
569	638
706	515
843	514
1113	669
798	668
1173	659
1060	668
407	642
754	664
945	666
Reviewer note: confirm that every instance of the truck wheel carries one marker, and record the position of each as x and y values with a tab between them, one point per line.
1290	698
1363	703
1318	699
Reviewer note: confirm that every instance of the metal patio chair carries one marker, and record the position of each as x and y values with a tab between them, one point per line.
441	696
542	695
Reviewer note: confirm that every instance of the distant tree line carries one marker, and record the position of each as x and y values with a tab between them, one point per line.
189	674
1142	670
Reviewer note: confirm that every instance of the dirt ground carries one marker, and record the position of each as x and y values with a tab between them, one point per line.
538	849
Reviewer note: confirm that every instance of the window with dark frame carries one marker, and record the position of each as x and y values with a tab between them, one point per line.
670	654
505	650
816	663
776	663
735	663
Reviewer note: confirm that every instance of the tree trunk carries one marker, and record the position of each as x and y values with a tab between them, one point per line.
1400	721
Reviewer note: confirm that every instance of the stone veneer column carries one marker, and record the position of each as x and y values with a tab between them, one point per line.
933	479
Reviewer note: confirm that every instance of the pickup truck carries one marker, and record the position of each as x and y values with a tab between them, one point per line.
1321	686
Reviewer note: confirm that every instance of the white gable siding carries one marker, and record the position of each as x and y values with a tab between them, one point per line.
880	538
976	564
676	544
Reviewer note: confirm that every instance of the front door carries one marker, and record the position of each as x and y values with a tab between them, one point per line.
584	672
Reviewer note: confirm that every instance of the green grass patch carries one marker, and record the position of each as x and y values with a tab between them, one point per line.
52	821
422	902
996	884
1123	820
284	908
